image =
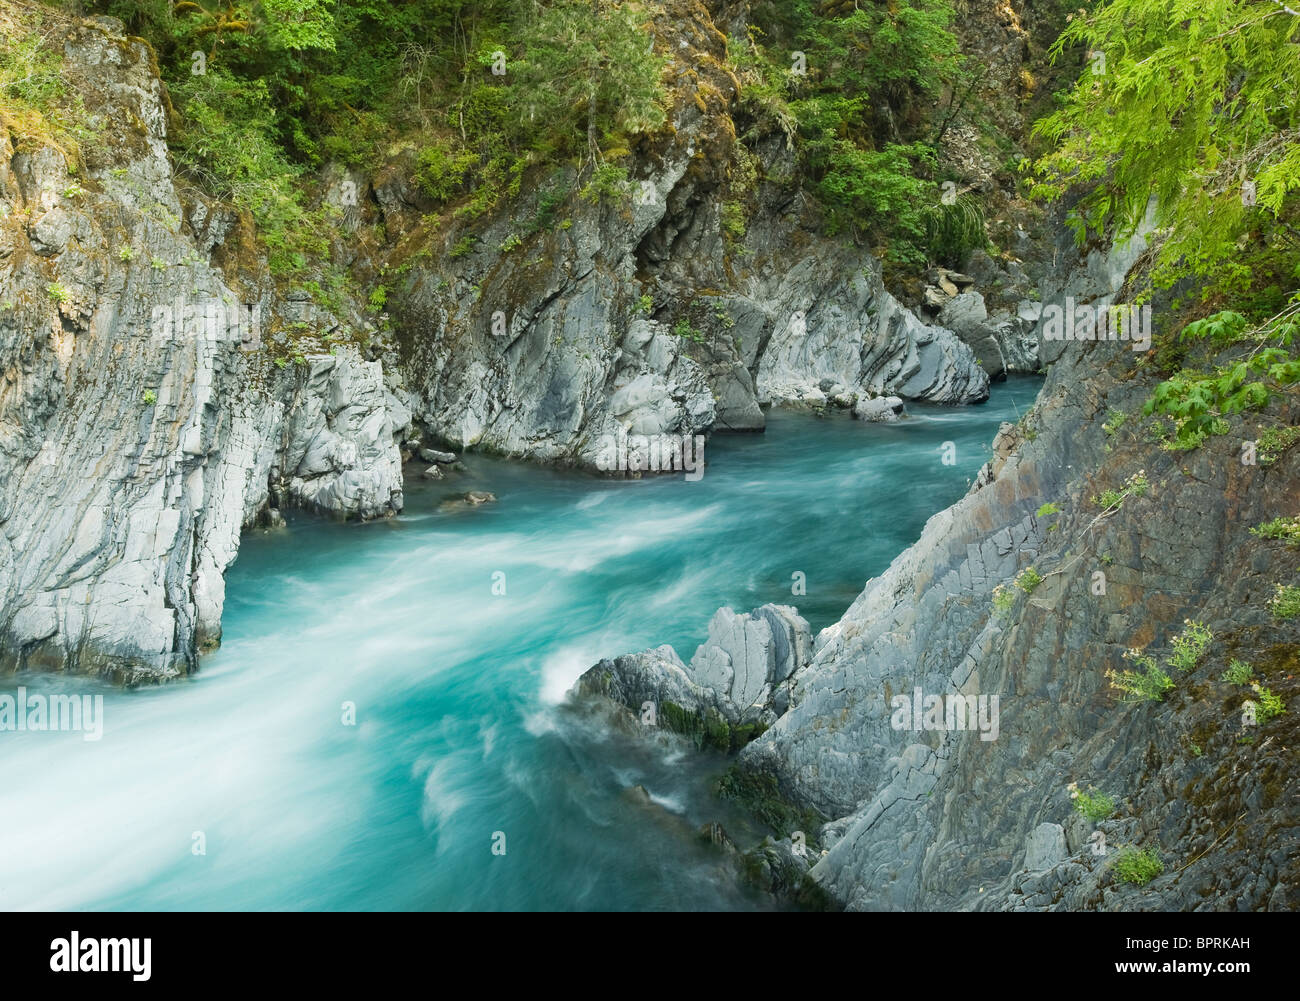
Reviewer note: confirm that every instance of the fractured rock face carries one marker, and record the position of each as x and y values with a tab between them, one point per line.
746	656
134	445
853	333
738	672
340	457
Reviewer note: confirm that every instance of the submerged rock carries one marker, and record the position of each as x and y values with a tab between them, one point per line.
473	498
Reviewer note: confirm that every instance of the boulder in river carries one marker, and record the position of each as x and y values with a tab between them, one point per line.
883	409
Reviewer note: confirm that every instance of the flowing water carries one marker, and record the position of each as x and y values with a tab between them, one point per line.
244	787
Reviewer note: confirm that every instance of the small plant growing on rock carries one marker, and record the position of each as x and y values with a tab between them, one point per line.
1114	421
1285	603
1189	645
645	305
1284	529
1148	684
1003	599
1135	486
1138	866
463	246
1047	510
608	182
58	292
126	254
1028	579
1238	673
683	329
1272	442
158	264
1268	704
149	397
73	190
1096	806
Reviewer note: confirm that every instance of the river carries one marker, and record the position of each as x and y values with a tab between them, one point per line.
382	730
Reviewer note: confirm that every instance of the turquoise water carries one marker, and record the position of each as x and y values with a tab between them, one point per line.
461	740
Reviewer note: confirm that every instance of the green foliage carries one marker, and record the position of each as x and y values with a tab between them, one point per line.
683	329
1114	421
293	25
440	173
126	254
953	231
1185	109
608	183
1189	646
586	67
58	292
1028	579
149	397
290	84
1198	401
378	299
548	205
1184	441
1238	673
880	190
285	85
36	106
1147	684
1268	705
1047	510
1138	867
1285	603
228	143
1272	442
1003	599
1135	486
856	117
733	221
1094	805
1285	529
645	305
